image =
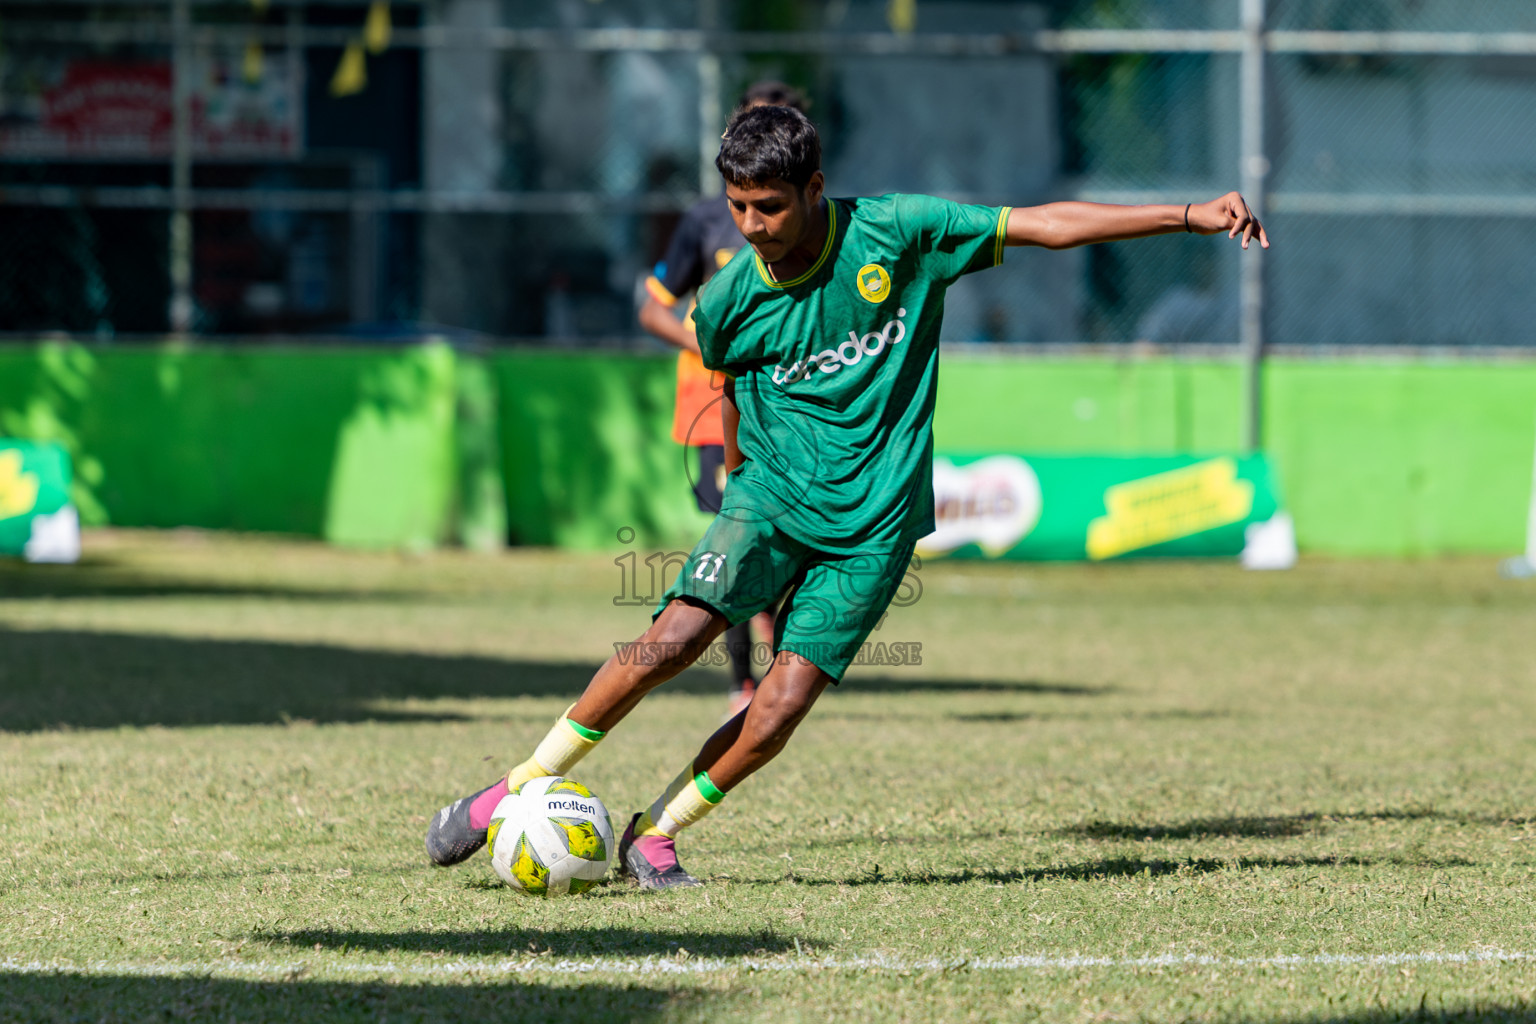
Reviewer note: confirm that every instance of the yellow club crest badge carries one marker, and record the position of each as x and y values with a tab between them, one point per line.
874	283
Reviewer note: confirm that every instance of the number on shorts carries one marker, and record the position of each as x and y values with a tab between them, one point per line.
704	564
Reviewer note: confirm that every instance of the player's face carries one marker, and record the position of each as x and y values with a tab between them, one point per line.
774	217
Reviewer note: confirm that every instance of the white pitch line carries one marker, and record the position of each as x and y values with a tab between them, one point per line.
717	965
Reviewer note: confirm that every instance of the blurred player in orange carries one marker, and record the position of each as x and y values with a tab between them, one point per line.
705	240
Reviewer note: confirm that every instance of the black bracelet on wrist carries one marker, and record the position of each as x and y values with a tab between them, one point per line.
1186	217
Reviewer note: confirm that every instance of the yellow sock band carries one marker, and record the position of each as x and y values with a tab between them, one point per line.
688	798
646	826
560	751
685	809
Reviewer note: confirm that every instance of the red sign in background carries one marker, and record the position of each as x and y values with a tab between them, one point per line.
110	101
89	108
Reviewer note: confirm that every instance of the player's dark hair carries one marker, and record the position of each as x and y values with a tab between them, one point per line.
764	143
773	93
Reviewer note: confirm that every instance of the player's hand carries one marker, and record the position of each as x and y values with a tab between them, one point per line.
1230	213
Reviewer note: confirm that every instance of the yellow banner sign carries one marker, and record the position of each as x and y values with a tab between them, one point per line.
18	490
1168	506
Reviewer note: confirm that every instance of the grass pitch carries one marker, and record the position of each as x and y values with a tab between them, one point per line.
1148	791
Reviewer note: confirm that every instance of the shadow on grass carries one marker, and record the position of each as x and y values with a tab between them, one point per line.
1268	827
557	942
1003	717
1481	1012
1264	826
67	679
903	684
103	578
68	997
1491	1011
1098	870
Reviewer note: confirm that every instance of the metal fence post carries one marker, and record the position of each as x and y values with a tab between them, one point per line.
367	232
181	168
1254	172
709	103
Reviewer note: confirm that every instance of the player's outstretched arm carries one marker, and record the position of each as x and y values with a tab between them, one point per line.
664	324
1064	225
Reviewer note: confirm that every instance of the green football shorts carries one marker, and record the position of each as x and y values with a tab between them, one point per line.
745	563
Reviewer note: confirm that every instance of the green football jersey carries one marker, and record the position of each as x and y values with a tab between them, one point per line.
836	370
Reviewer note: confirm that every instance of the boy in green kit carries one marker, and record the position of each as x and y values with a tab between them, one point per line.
827	327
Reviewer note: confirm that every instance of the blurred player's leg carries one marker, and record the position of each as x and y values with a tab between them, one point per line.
738	644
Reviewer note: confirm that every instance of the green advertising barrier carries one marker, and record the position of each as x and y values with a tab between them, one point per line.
417	445
358	446
587	451
34	487
1067	508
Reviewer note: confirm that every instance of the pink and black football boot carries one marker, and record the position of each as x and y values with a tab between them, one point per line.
454	835
652	861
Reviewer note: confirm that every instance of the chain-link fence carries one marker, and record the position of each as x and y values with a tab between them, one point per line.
512	168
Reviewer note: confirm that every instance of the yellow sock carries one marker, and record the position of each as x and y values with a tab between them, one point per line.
560	751
688	798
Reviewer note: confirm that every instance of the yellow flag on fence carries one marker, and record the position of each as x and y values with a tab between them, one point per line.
254	63
351	75
376	28
902	15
